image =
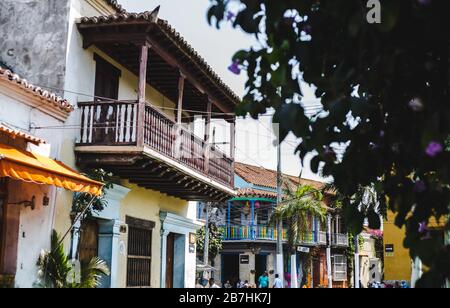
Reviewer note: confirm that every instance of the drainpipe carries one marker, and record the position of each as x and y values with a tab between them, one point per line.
206	244
280	265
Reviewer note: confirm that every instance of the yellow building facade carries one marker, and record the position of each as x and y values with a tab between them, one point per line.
397	261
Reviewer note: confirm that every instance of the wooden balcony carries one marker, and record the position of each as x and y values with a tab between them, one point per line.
164	156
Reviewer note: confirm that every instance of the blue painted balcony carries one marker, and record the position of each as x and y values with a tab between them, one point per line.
263	234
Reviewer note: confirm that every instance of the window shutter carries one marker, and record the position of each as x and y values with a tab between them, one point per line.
340	268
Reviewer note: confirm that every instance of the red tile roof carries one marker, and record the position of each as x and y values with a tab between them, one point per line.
115	4
256	193
268	178
51	98
15	133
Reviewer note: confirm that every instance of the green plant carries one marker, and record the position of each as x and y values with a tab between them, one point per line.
350	254
81	200
381	116
300	205
215	240
56	270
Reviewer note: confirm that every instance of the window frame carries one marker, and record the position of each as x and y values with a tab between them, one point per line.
135	224
340	275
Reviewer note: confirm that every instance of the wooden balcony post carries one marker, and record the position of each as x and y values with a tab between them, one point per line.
143	59
208	121
207	134
180	98
233	138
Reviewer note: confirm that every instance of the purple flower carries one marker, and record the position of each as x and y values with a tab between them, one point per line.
423	227
434	149
230	15
234	68
420	187
416	105
382	134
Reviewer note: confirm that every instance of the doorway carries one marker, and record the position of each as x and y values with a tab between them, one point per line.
230	268
175	260
260	266
107	79
169	260
88	246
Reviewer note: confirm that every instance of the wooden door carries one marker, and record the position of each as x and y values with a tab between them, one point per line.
106	87
88	247
169	260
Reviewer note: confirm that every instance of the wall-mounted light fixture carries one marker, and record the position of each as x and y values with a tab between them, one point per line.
45	200
26	203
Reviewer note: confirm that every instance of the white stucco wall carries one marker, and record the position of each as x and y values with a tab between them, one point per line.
21	111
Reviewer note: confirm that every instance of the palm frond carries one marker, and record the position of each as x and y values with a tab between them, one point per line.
301	204
92	273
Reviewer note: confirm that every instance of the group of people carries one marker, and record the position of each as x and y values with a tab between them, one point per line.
211	284
384	285
263	283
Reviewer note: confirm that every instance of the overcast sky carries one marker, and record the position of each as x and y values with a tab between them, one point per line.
254	141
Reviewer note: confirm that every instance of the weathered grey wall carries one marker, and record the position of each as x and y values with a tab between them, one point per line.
34	39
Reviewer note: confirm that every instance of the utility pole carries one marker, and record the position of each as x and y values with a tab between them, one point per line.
329	270
280	267
357	267
206	244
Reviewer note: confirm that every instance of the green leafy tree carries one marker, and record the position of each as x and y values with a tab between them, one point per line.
384	97
300	205
215	241
81	200
56	270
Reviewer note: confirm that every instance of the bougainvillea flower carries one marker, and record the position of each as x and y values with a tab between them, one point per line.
234	68
434	149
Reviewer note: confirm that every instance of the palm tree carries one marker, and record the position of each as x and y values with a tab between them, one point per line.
298	207
56	270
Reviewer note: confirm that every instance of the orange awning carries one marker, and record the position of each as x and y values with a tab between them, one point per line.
29	167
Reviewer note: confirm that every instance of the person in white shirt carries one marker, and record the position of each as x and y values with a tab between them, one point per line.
277	283
212	284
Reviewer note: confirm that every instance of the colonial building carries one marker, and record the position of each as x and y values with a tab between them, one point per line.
249	246
30	179
137	86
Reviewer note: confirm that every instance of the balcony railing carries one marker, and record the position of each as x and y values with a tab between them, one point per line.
261	233
114	123
340	240
322	238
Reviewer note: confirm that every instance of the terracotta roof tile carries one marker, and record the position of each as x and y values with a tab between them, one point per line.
16	133
168	30
50	97
268	178
257	193
115	4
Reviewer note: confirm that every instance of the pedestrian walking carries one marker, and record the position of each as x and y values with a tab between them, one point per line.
263	281
277	283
